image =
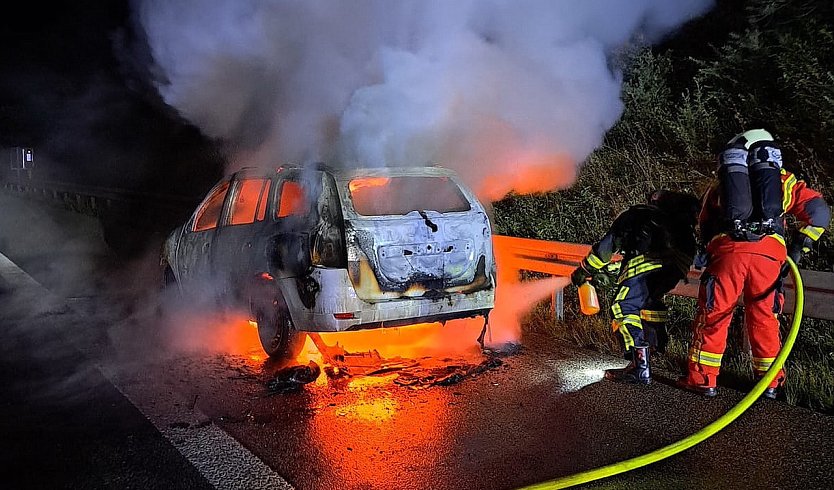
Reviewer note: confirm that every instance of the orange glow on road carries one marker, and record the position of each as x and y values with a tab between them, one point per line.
352	431
368	405
374	409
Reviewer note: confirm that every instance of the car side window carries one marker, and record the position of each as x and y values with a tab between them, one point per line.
209	212
293	200
249	202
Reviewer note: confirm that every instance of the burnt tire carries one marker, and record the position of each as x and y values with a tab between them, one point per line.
279	338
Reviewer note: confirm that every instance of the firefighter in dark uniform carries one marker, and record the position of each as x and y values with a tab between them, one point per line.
658	243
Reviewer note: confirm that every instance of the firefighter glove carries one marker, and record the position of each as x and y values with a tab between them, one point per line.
580	276
601	279
585	273
594	269
800	245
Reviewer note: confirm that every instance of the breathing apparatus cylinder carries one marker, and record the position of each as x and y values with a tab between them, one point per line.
588	300
765	161
735	187
751	185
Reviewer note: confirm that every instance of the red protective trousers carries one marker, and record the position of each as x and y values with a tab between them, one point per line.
728	276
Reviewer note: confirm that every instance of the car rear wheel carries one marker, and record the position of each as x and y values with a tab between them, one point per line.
277	333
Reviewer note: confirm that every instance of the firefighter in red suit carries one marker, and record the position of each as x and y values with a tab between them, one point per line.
744	229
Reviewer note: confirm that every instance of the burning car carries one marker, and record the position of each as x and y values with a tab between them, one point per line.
318	250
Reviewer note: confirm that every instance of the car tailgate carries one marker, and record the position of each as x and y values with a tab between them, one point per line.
419	254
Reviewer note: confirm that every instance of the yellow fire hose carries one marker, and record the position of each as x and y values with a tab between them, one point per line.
709	430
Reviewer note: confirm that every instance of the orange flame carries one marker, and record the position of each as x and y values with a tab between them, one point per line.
528	174
356	184
420	340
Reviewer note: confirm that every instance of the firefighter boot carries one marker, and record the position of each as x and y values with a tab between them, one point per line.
698	382
776	388
637	371
774	392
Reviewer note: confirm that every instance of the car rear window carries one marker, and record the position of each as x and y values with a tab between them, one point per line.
383	196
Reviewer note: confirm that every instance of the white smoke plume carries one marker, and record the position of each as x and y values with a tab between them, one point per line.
513	94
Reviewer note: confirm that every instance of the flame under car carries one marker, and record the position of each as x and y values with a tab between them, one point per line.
315	250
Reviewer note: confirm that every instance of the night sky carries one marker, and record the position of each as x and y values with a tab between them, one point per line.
73	87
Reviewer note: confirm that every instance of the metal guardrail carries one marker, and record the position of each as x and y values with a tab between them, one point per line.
92	199
561	258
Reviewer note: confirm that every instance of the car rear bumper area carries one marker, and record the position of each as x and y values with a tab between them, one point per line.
337	307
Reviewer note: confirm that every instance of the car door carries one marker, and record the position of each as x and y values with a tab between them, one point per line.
294	223
236	252
193	253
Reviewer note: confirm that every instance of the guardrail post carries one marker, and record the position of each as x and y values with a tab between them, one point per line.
557	304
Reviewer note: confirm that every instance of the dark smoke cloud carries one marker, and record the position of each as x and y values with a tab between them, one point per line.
500	90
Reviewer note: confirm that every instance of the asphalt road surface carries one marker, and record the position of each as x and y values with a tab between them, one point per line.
105	385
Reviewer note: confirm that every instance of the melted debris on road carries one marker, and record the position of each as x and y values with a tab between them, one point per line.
414	374
423	377
292	378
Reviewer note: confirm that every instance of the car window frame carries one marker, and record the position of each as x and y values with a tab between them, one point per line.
223	209
279	191
238	182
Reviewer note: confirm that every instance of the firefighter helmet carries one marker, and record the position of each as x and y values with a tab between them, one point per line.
749	138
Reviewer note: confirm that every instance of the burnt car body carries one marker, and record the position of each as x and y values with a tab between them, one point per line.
315	250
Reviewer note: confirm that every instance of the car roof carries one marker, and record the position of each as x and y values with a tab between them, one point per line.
348	174
344	174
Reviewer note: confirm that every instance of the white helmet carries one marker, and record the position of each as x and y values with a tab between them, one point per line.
749	138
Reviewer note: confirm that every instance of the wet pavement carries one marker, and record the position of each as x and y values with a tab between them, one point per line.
62	423
543	413
516	425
